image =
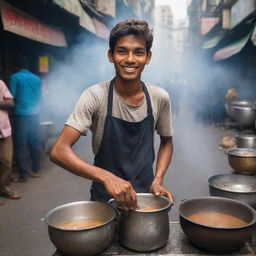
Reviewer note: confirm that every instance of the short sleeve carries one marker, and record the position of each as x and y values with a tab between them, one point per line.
164	122
85	109
5	92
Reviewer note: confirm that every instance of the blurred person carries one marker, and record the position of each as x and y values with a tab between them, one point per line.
26	90
6	146
123	115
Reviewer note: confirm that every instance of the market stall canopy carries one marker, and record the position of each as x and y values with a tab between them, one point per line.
235	46
213	41
74	7
22	24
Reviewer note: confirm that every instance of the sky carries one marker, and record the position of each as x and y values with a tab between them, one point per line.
179	7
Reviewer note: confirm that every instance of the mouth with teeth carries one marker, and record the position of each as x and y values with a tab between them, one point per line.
129	69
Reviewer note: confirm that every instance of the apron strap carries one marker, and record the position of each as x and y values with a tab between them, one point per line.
110	98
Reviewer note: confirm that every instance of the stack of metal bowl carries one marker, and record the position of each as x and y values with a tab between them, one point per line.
243	112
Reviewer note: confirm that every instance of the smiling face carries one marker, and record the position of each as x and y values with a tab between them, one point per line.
129	57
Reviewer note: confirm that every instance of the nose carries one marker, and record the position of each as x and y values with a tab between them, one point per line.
130	57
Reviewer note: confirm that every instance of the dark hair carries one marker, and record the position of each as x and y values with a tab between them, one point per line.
21	62
138	28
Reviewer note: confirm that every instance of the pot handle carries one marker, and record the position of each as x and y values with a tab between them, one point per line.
112	203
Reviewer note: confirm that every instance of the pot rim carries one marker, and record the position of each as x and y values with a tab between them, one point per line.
226	190
167	207
245	136
76	203
231	151
223	199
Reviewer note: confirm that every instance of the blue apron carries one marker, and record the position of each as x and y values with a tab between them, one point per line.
126	150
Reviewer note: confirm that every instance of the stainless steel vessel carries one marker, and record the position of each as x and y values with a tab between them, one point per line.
229	106
242	160
234	186
143	230
246	141
214	239
81	242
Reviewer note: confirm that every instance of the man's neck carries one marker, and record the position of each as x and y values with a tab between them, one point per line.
130	91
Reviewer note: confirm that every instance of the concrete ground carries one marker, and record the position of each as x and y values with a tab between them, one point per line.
23	231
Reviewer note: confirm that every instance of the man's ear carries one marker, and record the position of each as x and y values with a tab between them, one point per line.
110	56
149	55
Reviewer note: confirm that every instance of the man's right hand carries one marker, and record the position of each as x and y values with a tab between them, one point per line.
122	191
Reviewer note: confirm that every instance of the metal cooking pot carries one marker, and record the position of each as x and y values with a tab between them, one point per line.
143	230
229	106
81	242
219	240
244	116
240	163
246	140
234	186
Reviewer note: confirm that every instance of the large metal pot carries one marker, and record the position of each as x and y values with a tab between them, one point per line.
241	163
220	240
84	241
234	186
244	116
246	140
229	106
143	230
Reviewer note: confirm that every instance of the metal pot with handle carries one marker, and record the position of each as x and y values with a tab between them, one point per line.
146	228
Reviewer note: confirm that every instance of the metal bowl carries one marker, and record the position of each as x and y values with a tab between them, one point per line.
219	240
244	115
246	141
234	186
240	163
81	242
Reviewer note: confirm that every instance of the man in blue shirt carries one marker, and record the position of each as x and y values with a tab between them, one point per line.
26	90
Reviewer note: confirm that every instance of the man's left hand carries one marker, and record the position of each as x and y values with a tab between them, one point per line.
159	190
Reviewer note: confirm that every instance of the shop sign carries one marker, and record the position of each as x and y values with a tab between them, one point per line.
207	23
240	10
25	25
43	64
106	7
101	29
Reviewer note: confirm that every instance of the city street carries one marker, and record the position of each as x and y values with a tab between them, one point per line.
116	70
196	157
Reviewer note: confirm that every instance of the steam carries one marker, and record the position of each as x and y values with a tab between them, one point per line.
84	65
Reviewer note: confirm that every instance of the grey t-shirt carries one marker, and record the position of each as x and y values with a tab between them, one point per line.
91	110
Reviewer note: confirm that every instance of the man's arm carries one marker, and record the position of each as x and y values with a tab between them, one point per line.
164	157
63	155
6	104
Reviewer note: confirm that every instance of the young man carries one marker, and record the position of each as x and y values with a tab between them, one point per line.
26	90
122	115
